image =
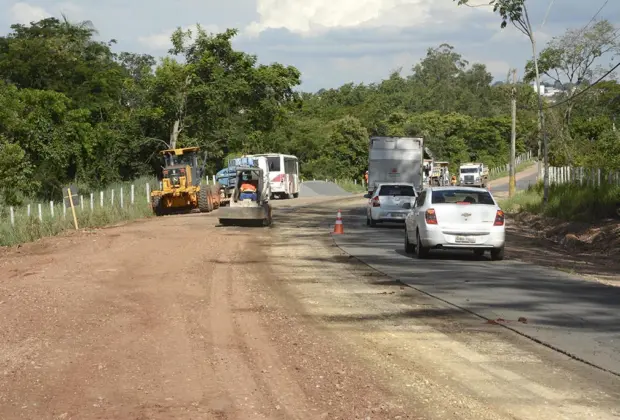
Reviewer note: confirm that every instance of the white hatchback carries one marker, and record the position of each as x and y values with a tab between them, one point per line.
389	202
455	218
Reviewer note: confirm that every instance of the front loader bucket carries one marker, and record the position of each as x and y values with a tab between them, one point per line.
237	215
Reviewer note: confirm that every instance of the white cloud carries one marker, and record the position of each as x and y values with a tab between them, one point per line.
161	41
25	13
314	17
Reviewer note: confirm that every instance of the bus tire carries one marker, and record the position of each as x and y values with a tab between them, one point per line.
296	195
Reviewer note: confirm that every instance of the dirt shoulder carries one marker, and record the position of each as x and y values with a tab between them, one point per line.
167	318
592	251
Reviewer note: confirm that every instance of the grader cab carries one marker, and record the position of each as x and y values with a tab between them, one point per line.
182	189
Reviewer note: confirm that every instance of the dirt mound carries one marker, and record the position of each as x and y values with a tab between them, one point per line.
601	238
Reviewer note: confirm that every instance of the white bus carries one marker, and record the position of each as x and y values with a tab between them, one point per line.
283	174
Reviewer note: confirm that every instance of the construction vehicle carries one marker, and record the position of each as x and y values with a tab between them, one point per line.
242	209
474	175
182	190
440	174
226	180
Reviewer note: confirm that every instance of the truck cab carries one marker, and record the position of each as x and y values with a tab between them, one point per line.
473	174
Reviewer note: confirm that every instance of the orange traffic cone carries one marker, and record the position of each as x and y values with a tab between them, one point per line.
338	227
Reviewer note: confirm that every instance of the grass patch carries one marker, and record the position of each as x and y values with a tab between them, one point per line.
55	219
569	202
351	186
520	167
521	201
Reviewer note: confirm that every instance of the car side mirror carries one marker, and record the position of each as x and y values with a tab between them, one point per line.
366	195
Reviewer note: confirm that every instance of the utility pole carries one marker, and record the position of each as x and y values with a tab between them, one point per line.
512	182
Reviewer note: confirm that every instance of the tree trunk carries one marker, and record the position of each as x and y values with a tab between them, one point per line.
174	135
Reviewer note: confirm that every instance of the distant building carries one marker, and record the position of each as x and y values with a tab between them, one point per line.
547	91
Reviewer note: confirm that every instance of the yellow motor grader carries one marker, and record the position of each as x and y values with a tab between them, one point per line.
182	189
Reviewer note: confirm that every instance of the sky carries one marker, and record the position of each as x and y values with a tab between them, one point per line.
331	42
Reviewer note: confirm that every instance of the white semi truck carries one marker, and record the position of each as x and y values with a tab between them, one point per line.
395	159
474	175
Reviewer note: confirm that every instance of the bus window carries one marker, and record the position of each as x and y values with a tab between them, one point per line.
274	163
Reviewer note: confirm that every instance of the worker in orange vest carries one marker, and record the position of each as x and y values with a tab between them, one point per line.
247	189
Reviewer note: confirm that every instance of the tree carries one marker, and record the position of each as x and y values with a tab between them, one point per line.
515	12
571	59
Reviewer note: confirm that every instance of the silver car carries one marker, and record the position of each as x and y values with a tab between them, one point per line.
390	202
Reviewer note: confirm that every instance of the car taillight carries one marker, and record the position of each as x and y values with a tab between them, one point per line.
376	202
499	218
431	217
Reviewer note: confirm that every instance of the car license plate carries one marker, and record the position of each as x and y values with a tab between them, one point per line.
465	240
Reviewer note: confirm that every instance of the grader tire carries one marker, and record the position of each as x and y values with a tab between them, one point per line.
156	204
204	200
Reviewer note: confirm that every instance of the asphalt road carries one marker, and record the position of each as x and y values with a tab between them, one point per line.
574	316
523	182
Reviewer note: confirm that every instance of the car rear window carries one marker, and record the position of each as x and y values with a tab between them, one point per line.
461	196
404	190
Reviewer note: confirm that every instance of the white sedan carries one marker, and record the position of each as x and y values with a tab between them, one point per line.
455	218
389	202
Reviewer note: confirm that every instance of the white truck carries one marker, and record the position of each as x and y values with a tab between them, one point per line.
395	159
474	175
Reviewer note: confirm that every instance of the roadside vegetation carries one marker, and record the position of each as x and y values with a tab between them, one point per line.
568	202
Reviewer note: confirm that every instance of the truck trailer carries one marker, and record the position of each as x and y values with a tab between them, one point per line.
395	159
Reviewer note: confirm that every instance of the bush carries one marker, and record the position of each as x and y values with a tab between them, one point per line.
570	202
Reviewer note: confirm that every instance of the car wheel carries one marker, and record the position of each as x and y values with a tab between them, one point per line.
409	248
479	252
497	254
420	250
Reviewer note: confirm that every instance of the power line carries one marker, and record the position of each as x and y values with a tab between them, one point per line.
600	79
594	17
547	14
